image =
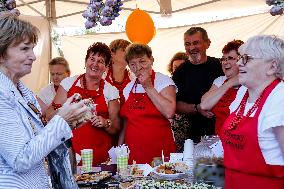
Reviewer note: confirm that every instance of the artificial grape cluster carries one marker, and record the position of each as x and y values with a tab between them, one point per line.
9	5
277	7
104	13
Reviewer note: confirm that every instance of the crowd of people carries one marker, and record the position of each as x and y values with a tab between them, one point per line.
120	99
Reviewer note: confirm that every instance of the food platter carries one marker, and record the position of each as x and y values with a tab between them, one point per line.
92	178
170	171
169	176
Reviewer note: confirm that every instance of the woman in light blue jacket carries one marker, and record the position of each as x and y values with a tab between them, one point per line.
24	141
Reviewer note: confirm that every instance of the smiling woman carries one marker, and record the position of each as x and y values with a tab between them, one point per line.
24	141
224	88
257	116
97	133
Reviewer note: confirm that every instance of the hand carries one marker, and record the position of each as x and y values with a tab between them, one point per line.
72	112
234	81
145	79
205	113
98	121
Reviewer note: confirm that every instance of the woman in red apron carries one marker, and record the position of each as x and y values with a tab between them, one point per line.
146	111
117	74
224	88
247	133
95	134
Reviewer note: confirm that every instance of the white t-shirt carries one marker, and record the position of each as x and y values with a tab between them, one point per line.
161	81
110	92
272	115
47	94
219	81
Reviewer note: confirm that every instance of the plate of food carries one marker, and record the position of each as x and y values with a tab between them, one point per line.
92	178
171	171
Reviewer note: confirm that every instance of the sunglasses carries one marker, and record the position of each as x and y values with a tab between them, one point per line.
223	59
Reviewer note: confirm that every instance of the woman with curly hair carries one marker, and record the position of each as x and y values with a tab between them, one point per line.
179	123
97	133
224	88
178	59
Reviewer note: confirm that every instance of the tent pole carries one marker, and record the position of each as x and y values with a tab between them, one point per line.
51	17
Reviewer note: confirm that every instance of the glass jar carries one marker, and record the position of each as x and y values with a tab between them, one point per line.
208	168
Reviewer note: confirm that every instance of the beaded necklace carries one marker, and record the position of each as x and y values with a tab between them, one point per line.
240	115
92	93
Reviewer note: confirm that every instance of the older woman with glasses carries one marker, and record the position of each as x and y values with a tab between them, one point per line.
253	134
224	88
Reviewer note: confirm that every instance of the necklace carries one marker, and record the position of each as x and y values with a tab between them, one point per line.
240	115
92	93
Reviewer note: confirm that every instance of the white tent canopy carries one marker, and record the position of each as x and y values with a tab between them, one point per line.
169	41
223	19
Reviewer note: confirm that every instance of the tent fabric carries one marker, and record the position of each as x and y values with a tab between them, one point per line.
39	74
166	42
69	13
169	41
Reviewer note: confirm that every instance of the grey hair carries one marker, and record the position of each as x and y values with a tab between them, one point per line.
268	47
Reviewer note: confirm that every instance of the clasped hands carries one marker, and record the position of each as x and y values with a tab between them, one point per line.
76	110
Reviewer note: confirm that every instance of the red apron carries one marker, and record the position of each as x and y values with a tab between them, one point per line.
119	85
244	162
221	109
148	132
88	136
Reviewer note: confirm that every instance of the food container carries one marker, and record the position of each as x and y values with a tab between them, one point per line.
208	168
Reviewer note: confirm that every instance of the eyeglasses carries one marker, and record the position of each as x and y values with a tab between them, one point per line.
245	58
223	59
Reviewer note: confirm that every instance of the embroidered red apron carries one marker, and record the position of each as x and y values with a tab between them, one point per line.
244	162
119	85
148	132
221	109
88	136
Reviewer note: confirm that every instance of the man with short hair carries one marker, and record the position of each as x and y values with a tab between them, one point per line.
193	79
59	69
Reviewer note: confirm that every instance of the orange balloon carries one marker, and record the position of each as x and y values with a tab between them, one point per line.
140	27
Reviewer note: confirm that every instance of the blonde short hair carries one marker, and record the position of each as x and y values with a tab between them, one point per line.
13	31
118	44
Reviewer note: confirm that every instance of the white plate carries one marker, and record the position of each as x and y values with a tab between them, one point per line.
169	176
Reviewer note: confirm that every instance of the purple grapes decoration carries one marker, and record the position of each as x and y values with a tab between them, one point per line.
104	13
9	5
277	7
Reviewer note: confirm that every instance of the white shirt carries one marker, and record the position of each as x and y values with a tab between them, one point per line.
219	81
161	81
272	115
47	94
110	92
